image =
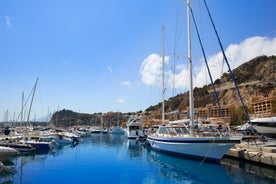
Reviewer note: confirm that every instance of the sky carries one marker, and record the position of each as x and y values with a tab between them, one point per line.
95	56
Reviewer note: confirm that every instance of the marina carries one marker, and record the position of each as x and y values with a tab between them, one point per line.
206	131
106	158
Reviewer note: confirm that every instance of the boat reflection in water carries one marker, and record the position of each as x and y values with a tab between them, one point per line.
122	160
185	170
135	148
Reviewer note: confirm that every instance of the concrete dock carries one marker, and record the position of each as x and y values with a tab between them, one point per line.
256	151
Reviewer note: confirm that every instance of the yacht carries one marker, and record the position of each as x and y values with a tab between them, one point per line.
134	128
265	126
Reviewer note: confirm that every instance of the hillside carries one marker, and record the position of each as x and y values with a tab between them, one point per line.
256	77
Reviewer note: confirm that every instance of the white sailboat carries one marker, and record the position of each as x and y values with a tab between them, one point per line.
36	143
181	139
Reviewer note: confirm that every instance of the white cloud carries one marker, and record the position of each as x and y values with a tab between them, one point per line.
126	83
237	54
120	100
151	70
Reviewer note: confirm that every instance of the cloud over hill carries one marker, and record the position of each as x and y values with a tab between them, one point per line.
237	54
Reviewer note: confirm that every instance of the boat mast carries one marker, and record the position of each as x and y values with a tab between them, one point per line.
163	85
191	101
32	100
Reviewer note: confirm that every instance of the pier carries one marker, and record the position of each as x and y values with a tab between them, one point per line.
255	151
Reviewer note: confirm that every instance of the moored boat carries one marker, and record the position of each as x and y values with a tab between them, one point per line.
40	145
179	138
6	152
134	128
20	147
265	126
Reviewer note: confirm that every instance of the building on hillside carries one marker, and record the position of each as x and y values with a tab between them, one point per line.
263	106
213	112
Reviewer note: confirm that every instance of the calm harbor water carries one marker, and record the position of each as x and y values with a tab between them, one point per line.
115	159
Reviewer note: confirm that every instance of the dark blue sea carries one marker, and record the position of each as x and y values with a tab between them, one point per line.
105	158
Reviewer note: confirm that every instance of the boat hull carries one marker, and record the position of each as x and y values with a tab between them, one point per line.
266	130
265	126
208	148
41	145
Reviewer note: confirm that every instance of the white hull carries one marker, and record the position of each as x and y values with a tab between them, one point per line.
7	151
265	126
209	148
266	131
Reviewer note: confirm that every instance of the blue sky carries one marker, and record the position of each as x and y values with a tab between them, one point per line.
99	56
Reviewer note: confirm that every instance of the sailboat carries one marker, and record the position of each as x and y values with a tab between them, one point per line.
181	139
117	129
36	143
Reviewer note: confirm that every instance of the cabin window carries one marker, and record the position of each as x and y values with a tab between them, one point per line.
185	131
163	130
178	130
134	128
170	130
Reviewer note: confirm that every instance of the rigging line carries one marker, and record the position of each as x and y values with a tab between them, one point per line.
207	153
204	55
178	28
226	60
174	50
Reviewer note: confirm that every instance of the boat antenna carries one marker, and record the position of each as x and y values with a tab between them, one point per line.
191	102
163	84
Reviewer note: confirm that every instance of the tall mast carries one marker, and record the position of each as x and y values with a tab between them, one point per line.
22	108
32	100
163	84
191	101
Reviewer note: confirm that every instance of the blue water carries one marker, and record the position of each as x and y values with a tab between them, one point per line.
115	159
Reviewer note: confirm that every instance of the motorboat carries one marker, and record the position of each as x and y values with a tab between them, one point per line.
20	147
134	127
6	152
265	126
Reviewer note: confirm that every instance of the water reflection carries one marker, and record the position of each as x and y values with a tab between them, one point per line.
24	160
125	159
250	172
135	148
113	140
183	170
187	171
